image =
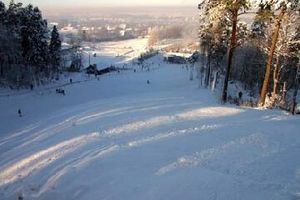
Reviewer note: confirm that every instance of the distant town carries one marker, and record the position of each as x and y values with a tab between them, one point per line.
113	27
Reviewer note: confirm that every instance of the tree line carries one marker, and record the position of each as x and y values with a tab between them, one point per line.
165	32
30	54
263	55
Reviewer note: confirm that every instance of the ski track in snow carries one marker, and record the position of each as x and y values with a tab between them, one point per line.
206	159
45	157
201	158
77	120
162	120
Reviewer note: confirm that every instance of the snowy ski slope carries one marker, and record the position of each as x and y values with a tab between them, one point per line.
120	138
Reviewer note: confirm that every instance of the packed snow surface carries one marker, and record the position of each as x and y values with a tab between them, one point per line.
120	138
115	53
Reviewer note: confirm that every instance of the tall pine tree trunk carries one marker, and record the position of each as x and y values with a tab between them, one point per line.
233	41
297	80
264	90
208	68
276	77
276	73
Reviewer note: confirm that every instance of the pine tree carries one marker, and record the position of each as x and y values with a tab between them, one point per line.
25	34
232	9
2	37
2	13
275	36
212	35
34	38
13	16
41	51
295	48
286	8
55	48
24	39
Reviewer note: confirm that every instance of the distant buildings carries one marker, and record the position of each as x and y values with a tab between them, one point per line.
99	33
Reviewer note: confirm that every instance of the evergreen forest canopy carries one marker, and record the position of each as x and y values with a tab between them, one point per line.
29	53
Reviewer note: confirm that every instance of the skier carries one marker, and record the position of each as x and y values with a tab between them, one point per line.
240	98
240	95
20	113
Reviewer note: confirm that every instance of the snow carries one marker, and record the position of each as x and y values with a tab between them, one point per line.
184	55
121	138
117	53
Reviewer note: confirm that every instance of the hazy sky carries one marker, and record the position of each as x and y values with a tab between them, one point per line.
55	3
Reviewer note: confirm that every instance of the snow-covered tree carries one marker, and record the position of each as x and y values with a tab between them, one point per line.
24	44
34	39
295	46
55	48
229	10
213	34
283	8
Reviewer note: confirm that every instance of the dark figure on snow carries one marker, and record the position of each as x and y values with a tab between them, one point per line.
240	95
148	82
71	81
31	87
269	94
240	100
60	91
20	113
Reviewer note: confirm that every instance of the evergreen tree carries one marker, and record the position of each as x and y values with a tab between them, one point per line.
275	36
2	13
285	8
34	38
212	33
230	9
40	39
24	44
9	39
55	48
13	16
295	47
